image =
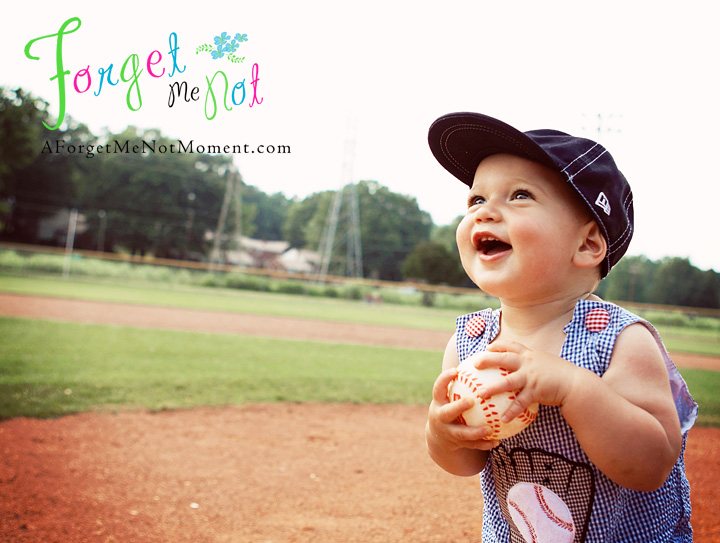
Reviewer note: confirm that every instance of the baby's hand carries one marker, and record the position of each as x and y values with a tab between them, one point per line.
443	431
537	377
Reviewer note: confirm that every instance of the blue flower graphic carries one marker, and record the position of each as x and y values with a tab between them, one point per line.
222	39
225	46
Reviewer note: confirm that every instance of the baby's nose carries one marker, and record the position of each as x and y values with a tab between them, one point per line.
487	212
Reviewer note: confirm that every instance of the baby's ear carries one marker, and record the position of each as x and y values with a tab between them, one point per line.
593	246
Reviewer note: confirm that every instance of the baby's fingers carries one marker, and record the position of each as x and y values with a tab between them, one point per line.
522	401
509	383
450	412
440	388
510	347
493	359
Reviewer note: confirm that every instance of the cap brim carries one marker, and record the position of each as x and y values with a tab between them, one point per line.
460	141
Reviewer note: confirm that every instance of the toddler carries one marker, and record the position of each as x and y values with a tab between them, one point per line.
548	215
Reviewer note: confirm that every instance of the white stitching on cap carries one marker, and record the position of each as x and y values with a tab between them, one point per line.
443	148
589	163
449	131
564	170
446	135
628	227
617	244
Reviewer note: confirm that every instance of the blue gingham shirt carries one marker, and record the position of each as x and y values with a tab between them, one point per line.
547	452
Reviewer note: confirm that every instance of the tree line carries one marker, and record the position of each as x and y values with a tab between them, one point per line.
168	205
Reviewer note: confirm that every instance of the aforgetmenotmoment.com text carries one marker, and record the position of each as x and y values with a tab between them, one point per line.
61	147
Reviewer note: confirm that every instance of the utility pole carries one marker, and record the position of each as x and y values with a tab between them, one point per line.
355	262
70	242
328	236
101	236
238	210
354	267
232	185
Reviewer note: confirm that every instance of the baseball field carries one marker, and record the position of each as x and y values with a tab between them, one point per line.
153	414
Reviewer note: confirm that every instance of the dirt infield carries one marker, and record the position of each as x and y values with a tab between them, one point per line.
257	473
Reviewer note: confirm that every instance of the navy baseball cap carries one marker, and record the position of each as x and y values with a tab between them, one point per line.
460	141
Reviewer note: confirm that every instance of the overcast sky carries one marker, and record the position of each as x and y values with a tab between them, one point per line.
647	71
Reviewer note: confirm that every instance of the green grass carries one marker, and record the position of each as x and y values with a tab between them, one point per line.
31	263
235	301
678	339
690	340
49	369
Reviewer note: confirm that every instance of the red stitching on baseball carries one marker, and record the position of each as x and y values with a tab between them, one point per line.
550	514
472	381
533	535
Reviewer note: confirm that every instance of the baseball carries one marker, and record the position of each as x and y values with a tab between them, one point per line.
487	412
540	515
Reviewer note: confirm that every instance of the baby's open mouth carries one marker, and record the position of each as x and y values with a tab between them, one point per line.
490	246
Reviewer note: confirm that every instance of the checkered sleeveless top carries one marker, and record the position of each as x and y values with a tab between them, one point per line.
547	456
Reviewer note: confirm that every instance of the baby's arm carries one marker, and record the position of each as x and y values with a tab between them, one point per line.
625	421
456	448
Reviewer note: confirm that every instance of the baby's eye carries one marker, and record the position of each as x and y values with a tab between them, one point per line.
474	200
522	195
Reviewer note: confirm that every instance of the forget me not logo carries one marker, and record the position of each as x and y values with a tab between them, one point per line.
222	90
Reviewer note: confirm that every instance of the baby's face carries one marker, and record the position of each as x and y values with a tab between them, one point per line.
521	229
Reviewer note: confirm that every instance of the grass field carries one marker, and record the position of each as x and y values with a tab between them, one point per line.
49	369
240	301
677	338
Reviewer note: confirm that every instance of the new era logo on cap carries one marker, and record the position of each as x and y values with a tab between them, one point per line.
603	203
